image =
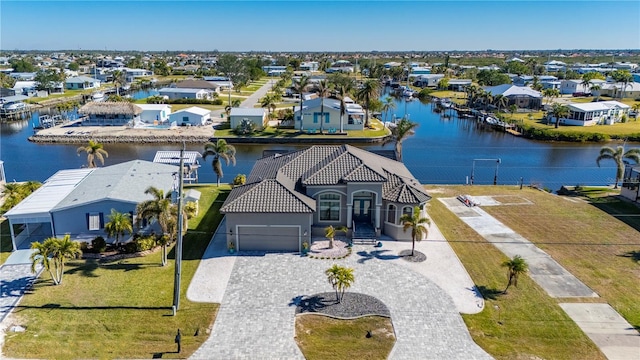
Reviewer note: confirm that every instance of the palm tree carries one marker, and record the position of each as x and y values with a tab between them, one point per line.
118	224
119	79
515	267
300	86
624	77
636	109
596	87
159	209
399	133
342	95
323	90
512	109
218	150
618	155
330	233
340	278
94	151
369	90
268	101
559	111
52	254
387	105
501	101
417	225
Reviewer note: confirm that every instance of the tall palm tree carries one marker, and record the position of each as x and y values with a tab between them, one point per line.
340	278
515	267
323	90
369	90
330	232
501	101
94	151
596	87
300	87
636	109
119	224
342	96
417	225
220	150
559	111
618	155
624	77
52	254
387	105
403	129
119	79
158	208
268	101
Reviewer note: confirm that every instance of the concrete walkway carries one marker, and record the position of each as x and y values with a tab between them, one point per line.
14	281
249	102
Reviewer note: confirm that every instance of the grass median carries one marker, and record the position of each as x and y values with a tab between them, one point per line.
120	309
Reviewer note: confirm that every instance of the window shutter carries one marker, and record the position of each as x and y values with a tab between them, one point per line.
101	220
88	221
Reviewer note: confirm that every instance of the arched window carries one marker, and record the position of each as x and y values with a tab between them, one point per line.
329	207
407	210
391	214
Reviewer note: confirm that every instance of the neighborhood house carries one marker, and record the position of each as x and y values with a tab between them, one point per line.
332	121
238	116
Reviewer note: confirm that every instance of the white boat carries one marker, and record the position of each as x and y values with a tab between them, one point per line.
14	106
446	103
98	96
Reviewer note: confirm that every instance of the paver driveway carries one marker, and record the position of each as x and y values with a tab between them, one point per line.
256	317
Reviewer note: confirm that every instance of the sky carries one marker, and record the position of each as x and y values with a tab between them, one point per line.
302	25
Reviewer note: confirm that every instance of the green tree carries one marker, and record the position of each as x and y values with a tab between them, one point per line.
300	87
159	209
512	109
417	225
220	150
330	232
369	90
492	78
340	278
596	87
515	267
52	254
6	81
443	84
25	64
559	111
94	151
388	104
119	224
268	102
342	95
624	77
322	89
403	129
501	101
119	80
618	155
14	193
49	79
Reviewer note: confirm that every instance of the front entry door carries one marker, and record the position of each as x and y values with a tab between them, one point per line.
362	210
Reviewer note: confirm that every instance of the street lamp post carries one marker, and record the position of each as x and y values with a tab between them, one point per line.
178	268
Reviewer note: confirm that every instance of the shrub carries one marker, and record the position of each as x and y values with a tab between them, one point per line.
84	247
144	243
246	127
130	247
195	101
98	244
240	179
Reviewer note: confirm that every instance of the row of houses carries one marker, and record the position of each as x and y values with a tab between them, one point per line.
141	115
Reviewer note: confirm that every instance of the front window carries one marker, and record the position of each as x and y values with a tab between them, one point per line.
391	214
407	210
329	206
94	221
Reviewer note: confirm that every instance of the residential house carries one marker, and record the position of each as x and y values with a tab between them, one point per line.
630	188
458	84
23	76
81	83
190	163
343	66
257	116
197	84
290	198
428	80
193	116
614	90
186	93
576	86
309	66
110	113
521	96
7	92
132	74
154	113
78	202
311	116
594	113
274	70
27	88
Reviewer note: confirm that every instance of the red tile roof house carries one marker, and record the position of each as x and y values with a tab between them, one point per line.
290	198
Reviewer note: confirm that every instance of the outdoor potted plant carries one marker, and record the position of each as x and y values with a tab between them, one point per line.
305	248
232	247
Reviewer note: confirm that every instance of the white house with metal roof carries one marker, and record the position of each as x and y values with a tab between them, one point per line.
290	197
594	113
521	96
193	116
316	116
186	93
78	202
154	113
257	116
81	83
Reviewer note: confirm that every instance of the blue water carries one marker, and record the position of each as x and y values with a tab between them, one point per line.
442	151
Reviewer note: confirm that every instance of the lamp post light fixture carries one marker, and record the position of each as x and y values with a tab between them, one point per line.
178	247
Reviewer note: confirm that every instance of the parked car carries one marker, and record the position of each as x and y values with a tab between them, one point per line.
581	94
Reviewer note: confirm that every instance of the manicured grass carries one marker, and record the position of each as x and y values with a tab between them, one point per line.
377	130
532	323
321	337
5	241
120	309
632	126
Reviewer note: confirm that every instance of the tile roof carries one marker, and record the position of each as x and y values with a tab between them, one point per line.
276	182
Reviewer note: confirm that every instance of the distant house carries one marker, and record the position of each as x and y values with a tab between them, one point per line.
309	66
78	202
81	83
458	84
427	80
353	117
274	70
24	76
27	88
132	74
576	86
342	66
594	113
110	113
7	92
197	84
185	93
614	90
193	116
253	115
521	96
154	113
631	183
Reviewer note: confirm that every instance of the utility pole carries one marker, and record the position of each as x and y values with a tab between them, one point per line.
178	268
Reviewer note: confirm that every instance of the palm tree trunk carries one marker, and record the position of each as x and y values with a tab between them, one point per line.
508	284
331	243
413	245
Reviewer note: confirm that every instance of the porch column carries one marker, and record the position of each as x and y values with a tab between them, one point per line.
13	236
349	215
377	216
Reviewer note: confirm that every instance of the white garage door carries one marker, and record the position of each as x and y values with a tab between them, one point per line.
269	238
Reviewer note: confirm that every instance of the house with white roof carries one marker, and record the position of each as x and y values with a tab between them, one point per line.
522	96
329	120
309	66
185	93
81	83
630	188
576	86
427	80
154	113
257	116
78	202
193	116
614	90
594	113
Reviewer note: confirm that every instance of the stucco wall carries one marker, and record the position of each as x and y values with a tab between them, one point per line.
234	219
74	220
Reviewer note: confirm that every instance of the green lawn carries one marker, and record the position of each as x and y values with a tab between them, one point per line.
378	130
324	338
119	309
532	323
5	241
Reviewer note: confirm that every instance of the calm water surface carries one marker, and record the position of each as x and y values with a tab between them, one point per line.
441	152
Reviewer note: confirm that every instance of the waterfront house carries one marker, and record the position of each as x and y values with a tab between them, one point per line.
576	86
522	96
193	116
342	66
630	188
110	113
615	90
594	113
7	92
290	197
190	162
257	116
23	76
77	202
81	83
310	66
353	118
154	113
197	84
132	74
186	93
428	80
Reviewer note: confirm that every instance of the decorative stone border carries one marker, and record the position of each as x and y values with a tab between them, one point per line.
120	256
352	306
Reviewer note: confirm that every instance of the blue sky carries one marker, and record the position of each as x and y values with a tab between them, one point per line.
318	25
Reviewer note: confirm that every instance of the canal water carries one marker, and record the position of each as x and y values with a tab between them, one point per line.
444	150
